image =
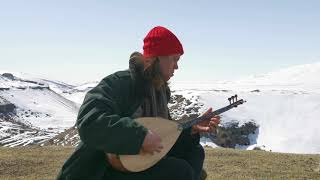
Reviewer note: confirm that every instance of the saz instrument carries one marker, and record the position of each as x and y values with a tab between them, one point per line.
169	131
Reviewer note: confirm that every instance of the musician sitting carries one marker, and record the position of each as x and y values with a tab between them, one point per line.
106	122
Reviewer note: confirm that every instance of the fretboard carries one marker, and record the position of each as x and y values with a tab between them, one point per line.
192	122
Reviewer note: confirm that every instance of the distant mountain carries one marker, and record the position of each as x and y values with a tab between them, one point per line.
306	74
302	78
284	104
86	87
36	109
77	93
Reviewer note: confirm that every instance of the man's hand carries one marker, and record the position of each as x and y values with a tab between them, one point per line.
209	125
151	143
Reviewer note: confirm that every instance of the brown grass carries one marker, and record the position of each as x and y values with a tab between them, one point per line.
237	164
45	162
32	162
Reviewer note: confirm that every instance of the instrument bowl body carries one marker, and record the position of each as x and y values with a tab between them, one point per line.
169	133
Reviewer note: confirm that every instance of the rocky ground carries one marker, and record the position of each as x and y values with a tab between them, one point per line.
228	135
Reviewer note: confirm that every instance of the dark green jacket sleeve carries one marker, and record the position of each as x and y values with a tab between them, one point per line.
101	125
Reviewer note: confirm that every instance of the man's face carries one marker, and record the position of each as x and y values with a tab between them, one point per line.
168	64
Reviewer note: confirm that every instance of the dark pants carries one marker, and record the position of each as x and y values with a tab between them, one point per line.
182	163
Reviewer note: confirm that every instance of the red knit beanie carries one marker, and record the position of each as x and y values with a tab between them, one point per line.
160	41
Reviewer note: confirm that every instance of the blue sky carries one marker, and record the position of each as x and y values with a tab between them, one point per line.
79	41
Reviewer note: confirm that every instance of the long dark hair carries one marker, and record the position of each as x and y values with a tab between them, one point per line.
150	68
153	73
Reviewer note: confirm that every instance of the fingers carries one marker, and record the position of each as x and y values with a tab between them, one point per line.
152	143
200	129
152	151
203	128
212	128
158	150
215	119
214	122
208	111
209	125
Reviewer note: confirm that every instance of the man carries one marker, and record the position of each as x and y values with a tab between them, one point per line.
106	119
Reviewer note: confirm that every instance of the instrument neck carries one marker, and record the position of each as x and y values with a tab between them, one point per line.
192	122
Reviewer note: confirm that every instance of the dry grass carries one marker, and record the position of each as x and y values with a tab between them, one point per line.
237	164
32	162
45	162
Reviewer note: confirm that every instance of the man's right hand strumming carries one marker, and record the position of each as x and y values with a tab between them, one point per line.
151	143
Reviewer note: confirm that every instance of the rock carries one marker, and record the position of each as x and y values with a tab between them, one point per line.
8	76
182	109
6	107
257	148
256	90
231	134
69	137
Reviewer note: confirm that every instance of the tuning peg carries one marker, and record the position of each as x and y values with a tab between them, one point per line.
236	96
232	97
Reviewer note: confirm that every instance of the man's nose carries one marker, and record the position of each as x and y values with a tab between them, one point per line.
176	66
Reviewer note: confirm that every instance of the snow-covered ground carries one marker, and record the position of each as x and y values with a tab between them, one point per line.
40	112
13	134
288	120
77	94
49	109
285	104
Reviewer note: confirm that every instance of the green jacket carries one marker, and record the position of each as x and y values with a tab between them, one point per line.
105	125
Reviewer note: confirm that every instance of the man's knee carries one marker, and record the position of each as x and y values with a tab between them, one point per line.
199	150
202	153
181	169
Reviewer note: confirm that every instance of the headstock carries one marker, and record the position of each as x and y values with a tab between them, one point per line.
233	100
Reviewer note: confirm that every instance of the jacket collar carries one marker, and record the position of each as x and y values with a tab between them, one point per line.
136	68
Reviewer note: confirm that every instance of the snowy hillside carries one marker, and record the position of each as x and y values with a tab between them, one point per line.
29	80
300	78
42	107
39	111
300	75
285	104
77	93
